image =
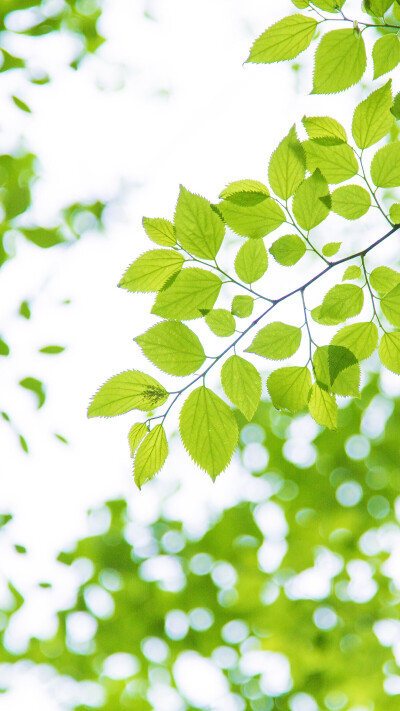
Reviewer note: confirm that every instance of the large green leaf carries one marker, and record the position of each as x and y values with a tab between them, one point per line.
152	270
276	341
390	305
287	167
242	384
284	40
160	231
324	130
252	220
340	61
288	250
377	8
150	456
336	162
308	208
389	351
209	430
323	408
360	338
350	201
137	432
385	54
172	347
198	228
289	388
372	118
221	322
251	261
192	291
130	390
383	279
242	305
342	301
385	166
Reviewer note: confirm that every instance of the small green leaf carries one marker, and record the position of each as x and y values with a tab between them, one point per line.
323	408
4	348
288	250
126	391
36	386
61	438
173	347
390	305
329	5
336	162
342	301
137	432
331	248
352	272
372	118
24	446
150	456
340	61
385	166
160	231
394	213
245	192
252	220
287	167
251	261
52	350
385	54
284	40
43	237
242	305
221	322
209	430
308	209
323	320
289	388
241	382
276	341
389	351
383	279
24	310
192	290
346	382
21	104
350	201
198	228
324	130
152	270
360	338
301	4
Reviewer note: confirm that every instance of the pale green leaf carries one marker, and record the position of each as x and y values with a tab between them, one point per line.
284	40
350	201
389	351
324	129
308	208
251	261
342	301
135	436
252	220
340	61
377	8
198	228
360	338
245	192
289	388
276	341
288	250
152	270
150	456
394	213
385	54
331	248
372	118
336	162
209	430
346	381
172	347
385	166
193	290
242	305
287	167
323	408
160	231
221	322
130	390
383	279
301	4
323	320
390	305
352	272
242	384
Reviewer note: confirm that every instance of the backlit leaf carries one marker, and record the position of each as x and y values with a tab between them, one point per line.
383	279
390	305
150	456
385	54
287	167
243	191
198	228
276	341
252	220
172	347
152	270
372	118
137	432
360	338
323	408
323	320
331	248
130	390
342	301
324	130
160	231
394	213
36	386
352	272
308	209
242	305
289	388
385	166
346	382
389	351
241	382
350	201
284	40
221	322
251	261
377	8
336	162
192	290
340	61
288	250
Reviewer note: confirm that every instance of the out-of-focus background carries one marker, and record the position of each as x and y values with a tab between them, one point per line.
275	587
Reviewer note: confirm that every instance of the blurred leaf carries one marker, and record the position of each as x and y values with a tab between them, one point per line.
36	386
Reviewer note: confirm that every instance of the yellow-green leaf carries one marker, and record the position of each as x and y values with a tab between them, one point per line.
135	436
360	338
325	130
150	456
308	208
288	250
251	261
252	220
221	322
198	228
289	388
160	231
394	212
389	351
152	270
335	372
323	408
331	248
385	54
352	272
245	191
385	166
383	279
372	118
172	347
192	291
336	162
276	341
284	40
350	201
340	61
390	305
287	167
241	382
342	301
242	305
130	390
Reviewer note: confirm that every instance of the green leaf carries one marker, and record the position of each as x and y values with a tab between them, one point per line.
242	305
339	358
346	382
394	213
329	5
289	388
135	436
241	382
336	162
385	54
288	250
21	104
395	10
385	166
4	348
331	248
360	338
324	130
383	279
36	386
276	341
301	4
323	320
130	390
377	8
287	167
352	272
340	61
193	290
342	301
350	201
209	430
221	322
245	192
390	305
251	261
389	351
308	209
372	118
284	40
395	110
52	350
172	347
160	231
198	228
252	220
150	456
24	310
152	270
43	237
323	408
